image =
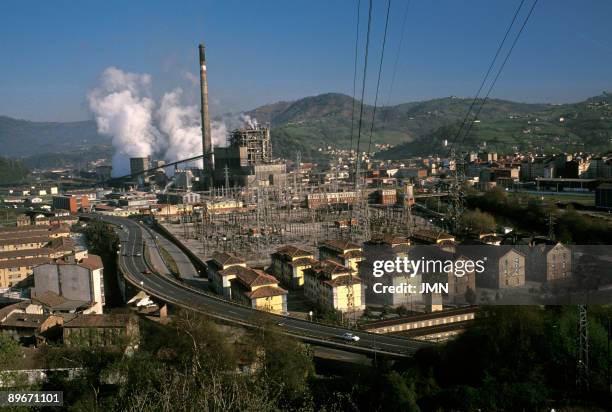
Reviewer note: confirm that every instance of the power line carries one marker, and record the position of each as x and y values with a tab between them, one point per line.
486	77
355	73
397	55
501	68
365	70
382	57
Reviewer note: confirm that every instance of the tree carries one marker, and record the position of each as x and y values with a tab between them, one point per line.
401	395
476	221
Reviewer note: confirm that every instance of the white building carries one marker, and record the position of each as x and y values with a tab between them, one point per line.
79	280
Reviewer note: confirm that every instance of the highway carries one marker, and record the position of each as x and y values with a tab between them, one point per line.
135	237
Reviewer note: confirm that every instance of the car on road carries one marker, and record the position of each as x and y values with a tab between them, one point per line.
138	254
146	272
349	337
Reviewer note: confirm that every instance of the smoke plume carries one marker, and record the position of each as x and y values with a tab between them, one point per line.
181	124
125	111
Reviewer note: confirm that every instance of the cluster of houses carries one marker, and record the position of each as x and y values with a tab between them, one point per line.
52	289
339	276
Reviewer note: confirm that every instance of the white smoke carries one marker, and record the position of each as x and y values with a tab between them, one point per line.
249	121
219	133
125	111
181	124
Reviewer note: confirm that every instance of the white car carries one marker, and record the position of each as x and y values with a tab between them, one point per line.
350	337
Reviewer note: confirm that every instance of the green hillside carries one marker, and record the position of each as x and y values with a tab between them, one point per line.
315	122
325	120
24	138
584	126
12	171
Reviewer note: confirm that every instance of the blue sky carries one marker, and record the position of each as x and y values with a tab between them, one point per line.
268	50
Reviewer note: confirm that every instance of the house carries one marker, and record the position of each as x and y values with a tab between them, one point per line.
431	237
388	248
25	322
547	262
216	268
343	252
289	263
14	271
333	286
101	330
504	268
256	289
29	237
52	303
450	267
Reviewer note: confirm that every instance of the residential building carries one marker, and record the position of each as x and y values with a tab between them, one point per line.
218	276
386	197
431	237
13	272
289	263
388	248
343	252
73	203
29	329
504	267
334	287
54	304
316	200
258	290
29	237
547	262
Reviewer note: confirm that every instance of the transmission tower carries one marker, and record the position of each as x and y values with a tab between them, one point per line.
226	172
582	357
551	226
456	195
350	295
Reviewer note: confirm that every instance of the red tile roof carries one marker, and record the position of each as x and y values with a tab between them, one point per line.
224	259
292	252
340	245
265	292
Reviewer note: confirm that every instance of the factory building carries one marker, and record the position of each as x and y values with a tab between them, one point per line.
137	166
103	173
247	161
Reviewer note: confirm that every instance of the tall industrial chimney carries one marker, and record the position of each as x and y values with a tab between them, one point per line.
206	138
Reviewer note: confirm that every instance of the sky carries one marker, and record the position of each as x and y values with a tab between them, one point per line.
259	52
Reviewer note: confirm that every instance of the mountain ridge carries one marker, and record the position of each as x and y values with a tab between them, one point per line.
315	122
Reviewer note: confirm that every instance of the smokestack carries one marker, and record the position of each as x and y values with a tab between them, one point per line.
206	137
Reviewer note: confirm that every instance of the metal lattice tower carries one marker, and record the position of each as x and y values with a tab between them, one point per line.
582	356
456	195
551	226
350	295
227	182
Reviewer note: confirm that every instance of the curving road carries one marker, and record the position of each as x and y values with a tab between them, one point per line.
134	239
